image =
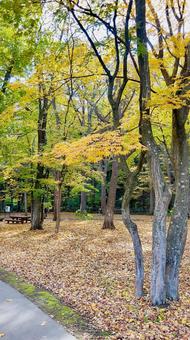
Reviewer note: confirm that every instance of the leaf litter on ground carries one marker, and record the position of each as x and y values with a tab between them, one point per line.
92	270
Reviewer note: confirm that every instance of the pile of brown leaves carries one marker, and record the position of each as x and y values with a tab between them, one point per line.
92	270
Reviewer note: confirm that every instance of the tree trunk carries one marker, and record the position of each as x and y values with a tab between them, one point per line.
37	201
83	204
54	206
152	201
58	207
189	200
25	203
103	186
151	187
177	231
11	203
162	194
36	214
139	266
109	213
162	200
57	179
133	230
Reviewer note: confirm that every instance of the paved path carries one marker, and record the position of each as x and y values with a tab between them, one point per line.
20	319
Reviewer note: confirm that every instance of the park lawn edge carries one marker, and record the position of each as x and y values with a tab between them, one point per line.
50	304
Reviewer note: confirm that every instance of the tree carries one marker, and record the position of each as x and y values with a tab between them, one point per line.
115	89
173	43
166	262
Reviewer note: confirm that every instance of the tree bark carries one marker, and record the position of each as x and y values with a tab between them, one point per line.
189	201
177	231
109	213
83	204
56	195
151	188
131	180
25	203
58	207
37	215
133	230
104	167
152	200
162	200
36	221
162	194
54	206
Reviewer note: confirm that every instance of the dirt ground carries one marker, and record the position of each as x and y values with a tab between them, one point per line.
92	270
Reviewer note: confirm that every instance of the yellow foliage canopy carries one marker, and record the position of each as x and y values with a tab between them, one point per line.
93	148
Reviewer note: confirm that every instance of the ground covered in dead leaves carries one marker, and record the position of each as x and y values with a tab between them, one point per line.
92	270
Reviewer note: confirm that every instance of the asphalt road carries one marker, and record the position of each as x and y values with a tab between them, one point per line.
20	319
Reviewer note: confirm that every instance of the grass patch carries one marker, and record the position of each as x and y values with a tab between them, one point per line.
49	303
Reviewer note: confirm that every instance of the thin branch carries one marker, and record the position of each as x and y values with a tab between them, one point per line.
91	43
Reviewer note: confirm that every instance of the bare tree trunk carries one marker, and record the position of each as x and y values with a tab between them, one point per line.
151	187
58	207
162	200
54	205
56	195
133	230
162	194
36	221
177	231
83	204
152	200
37	214
104	167
189	201
131	179
109	213
25	203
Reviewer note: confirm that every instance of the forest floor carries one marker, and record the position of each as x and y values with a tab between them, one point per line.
92	270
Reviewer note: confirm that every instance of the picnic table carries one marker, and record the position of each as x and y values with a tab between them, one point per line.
18	219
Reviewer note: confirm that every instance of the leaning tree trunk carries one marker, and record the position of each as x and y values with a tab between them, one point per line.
131	179
177	231
109	212
133	230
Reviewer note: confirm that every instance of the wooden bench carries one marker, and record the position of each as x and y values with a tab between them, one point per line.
9	220
18	219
